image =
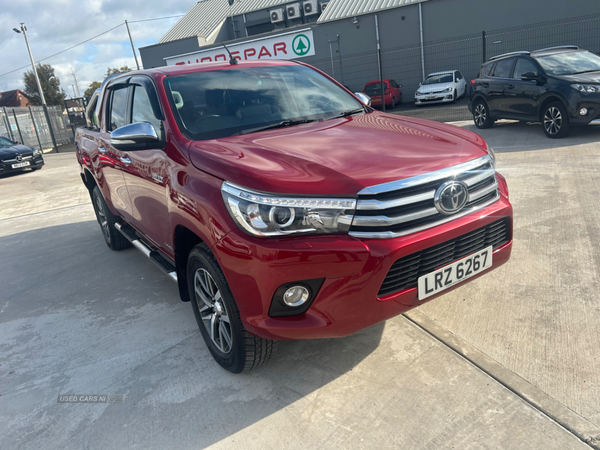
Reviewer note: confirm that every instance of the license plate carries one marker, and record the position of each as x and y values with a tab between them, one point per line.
23	164
454	273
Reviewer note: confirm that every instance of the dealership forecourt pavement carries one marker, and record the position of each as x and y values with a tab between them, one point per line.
507	361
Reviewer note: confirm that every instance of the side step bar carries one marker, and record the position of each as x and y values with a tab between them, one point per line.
165	265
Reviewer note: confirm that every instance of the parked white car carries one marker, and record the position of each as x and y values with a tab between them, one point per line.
440	87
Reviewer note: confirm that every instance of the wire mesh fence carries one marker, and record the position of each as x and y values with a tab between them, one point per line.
409	64
30	126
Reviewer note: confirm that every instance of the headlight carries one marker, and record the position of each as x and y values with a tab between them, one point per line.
586	88
419	93
268	215
36	152
448	89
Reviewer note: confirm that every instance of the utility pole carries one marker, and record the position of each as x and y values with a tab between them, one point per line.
39	85
76	85
37	79
132	47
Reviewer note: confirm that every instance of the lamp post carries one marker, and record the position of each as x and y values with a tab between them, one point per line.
37	78
39	86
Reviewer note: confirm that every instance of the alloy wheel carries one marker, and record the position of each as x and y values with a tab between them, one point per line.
102	218
553	120
480	114
213	310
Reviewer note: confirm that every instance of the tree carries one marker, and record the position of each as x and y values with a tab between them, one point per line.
91	89
53	93
112	70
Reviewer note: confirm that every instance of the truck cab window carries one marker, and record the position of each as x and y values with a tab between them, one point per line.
118	108
142	108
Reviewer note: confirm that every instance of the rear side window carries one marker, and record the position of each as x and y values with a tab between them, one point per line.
118	108
504	68
523	66
486	70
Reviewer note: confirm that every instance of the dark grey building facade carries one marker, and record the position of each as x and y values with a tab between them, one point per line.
416	37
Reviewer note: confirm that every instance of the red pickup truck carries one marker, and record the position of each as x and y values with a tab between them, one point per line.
283	206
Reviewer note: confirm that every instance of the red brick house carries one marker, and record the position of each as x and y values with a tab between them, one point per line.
14	99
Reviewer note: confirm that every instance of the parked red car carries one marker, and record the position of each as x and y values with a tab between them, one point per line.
393	93
284	207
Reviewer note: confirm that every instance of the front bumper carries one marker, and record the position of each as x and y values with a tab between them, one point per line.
445	97
35	162
353	270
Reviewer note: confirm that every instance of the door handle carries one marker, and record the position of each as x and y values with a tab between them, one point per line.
125	160
510	86
102	150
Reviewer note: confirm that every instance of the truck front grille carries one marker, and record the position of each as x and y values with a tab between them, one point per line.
406	206
405	272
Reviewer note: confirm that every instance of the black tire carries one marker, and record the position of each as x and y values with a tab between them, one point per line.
393	103
481	115
454	96
234	348
106	219
555	121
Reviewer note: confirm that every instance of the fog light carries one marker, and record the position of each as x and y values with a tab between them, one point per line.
296	296
583	111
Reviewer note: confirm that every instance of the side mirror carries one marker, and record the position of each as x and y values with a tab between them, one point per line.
530	76
135	136
457	80
399	86
363	98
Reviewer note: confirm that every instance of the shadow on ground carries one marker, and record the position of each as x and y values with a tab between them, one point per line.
77	318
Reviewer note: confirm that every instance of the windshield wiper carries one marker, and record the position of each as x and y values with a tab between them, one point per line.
586	71
282	124
348	113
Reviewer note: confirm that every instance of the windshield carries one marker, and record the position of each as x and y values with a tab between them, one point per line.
569	63
441	78
228	102
5	142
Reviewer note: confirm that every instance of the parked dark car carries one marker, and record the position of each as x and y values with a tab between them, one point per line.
16	157
558	86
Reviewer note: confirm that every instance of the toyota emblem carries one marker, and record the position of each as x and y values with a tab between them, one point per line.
451	197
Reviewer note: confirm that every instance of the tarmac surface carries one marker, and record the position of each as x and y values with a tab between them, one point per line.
78	318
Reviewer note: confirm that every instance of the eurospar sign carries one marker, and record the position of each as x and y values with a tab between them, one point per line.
294	45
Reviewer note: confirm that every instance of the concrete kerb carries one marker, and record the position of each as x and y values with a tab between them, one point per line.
568	419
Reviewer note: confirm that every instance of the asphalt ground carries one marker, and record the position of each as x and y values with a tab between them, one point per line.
77	318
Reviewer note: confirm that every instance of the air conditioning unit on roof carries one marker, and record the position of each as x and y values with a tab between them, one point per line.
293	11
323	6
311	7
276	15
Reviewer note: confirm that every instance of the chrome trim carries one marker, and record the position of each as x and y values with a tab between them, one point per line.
482	175
373	221
372	205
286	200
483	192
390	234
522	52
139	132
426	177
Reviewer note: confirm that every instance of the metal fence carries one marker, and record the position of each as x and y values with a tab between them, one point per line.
30	126
407	64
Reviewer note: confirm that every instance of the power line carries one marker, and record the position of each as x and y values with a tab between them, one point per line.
6	41
65	50
158	18
83	42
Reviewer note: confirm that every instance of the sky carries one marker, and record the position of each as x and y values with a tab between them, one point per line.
54	25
